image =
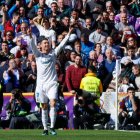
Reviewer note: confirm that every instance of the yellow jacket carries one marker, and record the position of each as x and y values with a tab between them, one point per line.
92	84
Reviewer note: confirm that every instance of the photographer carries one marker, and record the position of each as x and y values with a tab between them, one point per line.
17	108
83	115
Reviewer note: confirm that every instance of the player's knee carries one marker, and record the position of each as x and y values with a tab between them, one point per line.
52	103
44	106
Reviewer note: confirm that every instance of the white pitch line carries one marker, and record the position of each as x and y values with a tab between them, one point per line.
129	131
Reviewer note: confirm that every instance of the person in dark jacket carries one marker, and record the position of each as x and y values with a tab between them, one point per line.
17	108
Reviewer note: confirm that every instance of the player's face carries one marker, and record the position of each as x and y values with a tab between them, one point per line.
45	46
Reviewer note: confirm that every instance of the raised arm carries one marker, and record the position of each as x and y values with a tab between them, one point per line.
4	15
63	42
36	52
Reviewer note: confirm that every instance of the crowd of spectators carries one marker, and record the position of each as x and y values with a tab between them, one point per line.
104	31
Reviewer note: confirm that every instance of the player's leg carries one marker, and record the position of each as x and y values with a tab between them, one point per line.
44	113
41	98
52	116
52	95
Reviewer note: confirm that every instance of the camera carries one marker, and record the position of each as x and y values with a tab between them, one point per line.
16	94
89	97
87	94
80	101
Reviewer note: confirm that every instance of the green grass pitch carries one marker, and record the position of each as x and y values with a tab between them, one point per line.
69	135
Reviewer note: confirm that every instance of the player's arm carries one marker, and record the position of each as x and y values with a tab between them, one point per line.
36	52
63	42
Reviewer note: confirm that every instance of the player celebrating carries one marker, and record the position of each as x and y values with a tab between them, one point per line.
46	89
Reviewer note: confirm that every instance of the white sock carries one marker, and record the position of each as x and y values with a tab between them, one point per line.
45	119
52	117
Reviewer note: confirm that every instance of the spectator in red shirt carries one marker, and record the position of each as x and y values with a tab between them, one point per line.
12	25
74	74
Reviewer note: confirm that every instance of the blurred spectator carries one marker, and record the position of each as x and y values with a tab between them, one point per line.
65	23
107	25
85	10
92	55
30	78
3	15
74	4
109	7
137	26
74	74
112	17
12	25
129	109
63	9
9	36
110	45
130	58
20	43
61	80
4	53
98	35
26	35
108	66
33	11
22	54
72	59
132	42
19	6
76	20
12	77
125	84
136	73
55	25
123	23
130	18
45	30
54	9
89	27
127	33
86	47
96	7
98	50
40	16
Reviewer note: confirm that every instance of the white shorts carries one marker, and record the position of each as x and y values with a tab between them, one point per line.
45	92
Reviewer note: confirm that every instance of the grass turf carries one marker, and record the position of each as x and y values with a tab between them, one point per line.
69	135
